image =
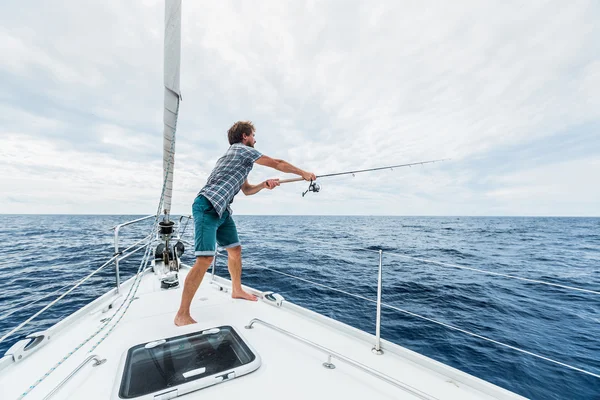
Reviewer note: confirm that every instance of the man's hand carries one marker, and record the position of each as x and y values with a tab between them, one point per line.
271	183
308	176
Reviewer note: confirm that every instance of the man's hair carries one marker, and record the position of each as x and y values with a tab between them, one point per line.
236	133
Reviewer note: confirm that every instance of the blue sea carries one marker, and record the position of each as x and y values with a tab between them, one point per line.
43	255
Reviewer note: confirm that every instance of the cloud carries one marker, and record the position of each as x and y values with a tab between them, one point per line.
331	86
542	189
46	177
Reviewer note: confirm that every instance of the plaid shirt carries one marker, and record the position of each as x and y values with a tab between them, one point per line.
228	176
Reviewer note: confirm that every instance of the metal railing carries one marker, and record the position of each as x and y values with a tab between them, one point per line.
118	256
377	346
332	354
97	361
377	349
117	229
184	216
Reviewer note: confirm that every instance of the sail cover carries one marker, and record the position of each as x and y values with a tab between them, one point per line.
172	62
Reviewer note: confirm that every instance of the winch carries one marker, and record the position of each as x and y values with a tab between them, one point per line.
166	260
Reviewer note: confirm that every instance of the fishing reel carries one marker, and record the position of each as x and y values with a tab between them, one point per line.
312	187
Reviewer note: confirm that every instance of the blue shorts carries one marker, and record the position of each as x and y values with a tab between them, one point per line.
209	229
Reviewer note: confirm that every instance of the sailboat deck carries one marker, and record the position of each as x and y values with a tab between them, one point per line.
290	368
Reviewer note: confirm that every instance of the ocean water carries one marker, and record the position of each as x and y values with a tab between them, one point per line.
43	255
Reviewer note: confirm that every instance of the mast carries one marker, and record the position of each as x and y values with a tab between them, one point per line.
172	61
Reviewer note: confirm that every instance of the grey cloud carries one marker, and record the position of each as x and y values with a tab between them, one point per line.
329	85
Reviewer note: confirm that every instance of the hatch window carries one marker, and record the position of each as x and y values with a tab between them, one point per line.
187	363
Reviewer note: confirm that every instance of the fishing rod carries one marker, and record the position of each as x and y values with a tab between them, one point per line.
314	187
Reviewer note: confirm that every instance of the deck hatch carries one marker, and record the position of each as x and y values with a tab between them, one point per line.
187	362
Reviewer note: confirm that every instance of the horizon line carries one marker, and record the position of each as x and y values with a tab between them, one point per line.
323	215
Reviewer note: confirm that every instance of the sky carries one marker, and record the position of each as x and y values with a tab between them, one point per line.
508	90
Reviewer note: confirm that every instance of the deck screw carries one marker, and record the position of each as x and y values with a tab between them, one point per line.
328	364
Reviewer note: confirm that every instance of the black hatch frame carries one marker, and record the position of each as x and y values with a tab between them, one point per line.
171	367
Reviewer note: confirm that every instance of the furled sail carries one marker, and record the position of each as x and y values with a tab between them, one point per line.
172	60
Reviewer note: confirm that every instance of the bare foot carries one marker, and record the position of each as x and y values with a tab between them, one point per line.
240	294
181	320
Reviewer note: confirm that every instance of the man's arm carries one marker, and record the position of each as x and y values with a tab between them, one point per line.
284	166
249	189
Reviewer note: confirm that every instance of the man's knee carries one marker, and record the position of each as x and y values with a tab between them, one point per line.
203	262
235	252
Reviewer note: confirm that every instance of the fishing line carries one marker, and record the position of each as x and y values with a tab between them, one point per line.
380	168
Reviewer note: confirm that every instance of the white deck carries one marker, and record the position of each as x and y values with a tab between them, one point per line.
290	369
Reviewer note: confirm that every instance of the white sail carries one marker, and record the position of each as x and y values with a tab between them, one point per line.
172	61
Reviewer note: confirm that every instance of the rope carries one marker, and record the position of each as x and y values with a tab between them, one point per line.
439	323
69	354
135	284
132	290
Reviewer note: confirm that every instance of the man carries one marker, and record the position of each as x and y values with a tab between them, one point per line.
212	214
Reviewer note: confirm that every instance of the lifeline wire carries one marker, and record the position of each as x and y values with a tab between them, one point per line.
56	300
29	302
184	227
440	323
494	273
482	271
16	307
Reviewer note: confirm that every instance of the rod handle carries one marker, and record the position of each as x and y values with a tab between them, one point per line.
291	180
